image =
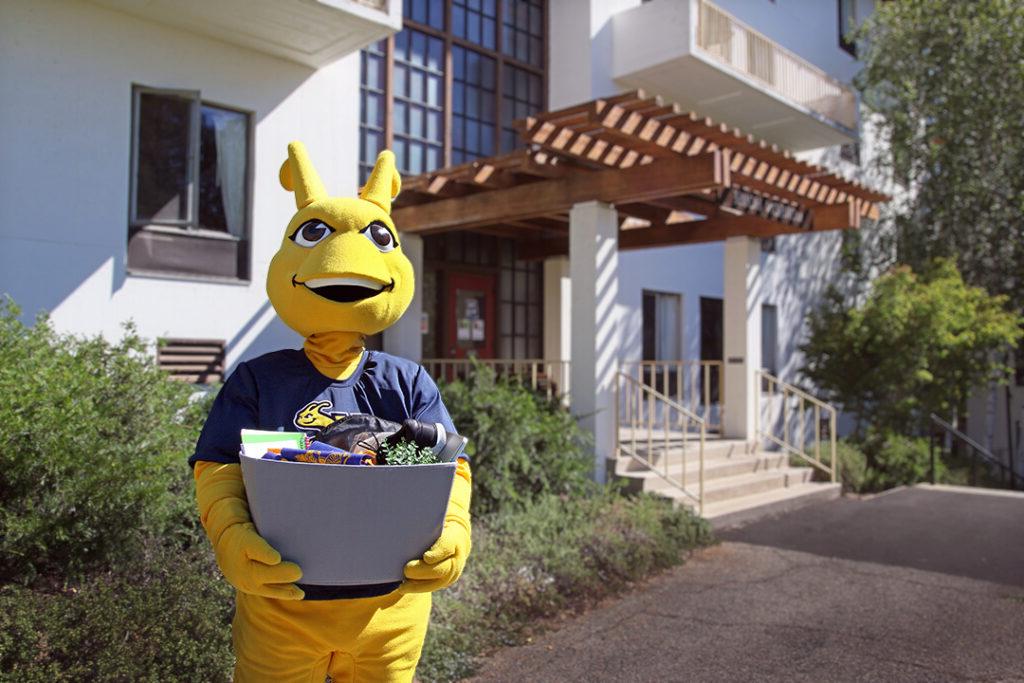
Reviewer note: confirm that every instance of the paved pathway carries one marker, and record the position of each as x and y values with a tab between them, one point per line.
922	584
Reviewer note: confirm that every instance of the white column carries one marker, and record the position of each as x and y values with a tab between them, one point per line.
557	307
596	340
405	338
741	329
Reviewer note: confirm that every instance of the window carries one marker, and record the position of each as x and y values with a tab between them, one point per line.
661	327
417	92
461	71
847	24
770	339
372	93
190	185
661	340
473	106
850	152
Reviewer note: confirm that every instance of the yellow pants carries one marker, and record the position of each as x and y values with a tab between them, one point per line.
366	639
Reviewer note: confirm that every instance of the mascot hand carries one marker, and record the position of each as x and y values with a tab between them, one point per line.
248	562
442	565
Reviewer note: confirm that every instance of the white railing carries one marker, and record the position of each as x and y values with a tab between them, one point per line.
550	377
698	385
730	41
661	435
784	423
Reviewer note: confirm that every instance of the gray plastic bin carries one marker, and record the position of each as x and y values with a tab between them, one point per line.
348	525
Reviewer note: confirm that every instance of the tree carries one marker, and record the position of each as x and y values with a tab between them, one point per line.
917	345
947	78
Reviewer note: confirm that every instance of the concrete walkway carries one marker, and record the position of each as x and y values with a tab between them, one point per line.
921	584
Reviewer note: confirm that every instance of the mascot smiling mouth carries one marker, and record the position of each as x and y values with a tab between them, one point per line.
344	290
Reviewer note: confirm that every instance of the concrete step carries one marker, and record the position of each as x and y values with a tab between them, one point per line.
743	485
736	511
713	448
720	488
714	468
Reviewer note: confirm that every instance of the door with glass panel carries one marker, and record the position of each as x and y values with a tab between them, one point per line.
662	340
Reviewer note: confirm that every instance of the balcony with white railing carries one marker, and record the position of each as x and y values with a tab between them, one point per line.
695	54
310	32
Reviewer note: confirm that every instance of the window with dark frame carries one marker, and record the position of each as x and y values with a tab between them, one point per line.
847	24
190	186
446	89
770	339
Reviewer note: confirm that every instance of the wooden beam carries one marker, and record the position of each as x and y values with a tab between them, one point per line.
836	216
663	178
538	250
688	204
711	230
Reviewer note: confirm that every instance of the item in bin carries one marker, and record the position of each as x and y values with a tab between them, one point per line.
331	457
362	433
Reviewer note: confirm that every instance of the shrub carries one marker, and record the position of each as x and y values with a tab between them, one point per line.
898	460
93	447
522	446
557	553
853	464
165	617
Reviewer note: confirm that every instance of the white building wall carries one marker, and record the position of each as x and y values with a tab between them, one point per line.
794	277
67	70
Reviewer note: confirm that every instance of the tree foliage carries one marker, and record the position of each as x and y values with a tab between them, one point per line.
918	344
947	77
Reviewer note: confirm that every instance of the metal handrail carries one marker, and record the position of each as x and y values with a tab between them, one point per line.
644	414
551	376
976	447
692	383
788	442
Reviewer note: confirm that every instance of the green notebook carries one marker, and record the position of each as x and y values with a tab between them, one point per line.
255	442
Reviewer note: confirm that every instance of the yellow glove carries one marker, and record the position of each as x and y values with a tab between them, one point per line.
442	565
248	562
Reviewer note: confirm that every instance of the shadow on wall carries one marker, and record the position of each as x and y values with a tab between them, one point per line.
262	333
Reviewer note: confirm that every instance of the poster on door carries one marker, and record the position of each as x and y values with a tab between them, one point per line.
470	322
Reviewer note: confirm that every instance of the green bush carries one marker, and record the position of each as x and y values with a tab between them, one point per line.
898	460
853	464
166	617
558	553
93	446
522	446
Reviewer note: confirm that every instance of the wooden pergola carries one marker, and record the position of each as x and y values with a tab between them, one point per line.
673	176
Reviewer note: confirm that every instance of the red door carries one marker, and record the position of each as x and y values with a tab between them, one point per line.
471	315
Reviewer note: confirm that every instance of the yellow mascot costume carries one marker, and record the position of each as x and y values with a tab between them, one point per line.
338	276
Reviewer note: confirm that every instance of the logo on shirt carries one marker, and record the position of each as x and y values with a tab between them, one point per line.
316	415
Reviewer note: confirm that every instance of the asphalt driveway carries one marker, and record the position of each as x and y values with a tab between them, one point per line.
921	584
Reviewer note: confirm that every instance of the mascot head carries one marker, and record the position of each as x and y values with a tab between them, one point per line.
340	267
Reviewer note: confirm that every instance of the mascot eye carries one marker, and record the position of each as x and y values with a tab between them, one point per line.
380	235
311	233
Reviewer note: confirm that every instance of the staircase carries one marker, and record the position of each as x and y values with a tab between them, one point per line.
660	447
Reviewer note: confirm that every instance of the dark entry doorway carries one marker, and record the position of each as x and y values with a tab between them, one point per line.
711	339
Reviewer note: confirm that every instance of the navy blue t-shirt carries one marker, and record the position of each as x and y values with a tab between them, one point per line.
283	391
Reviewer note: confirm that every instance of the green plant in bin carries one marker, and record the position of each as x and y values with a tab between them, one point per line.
406	452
